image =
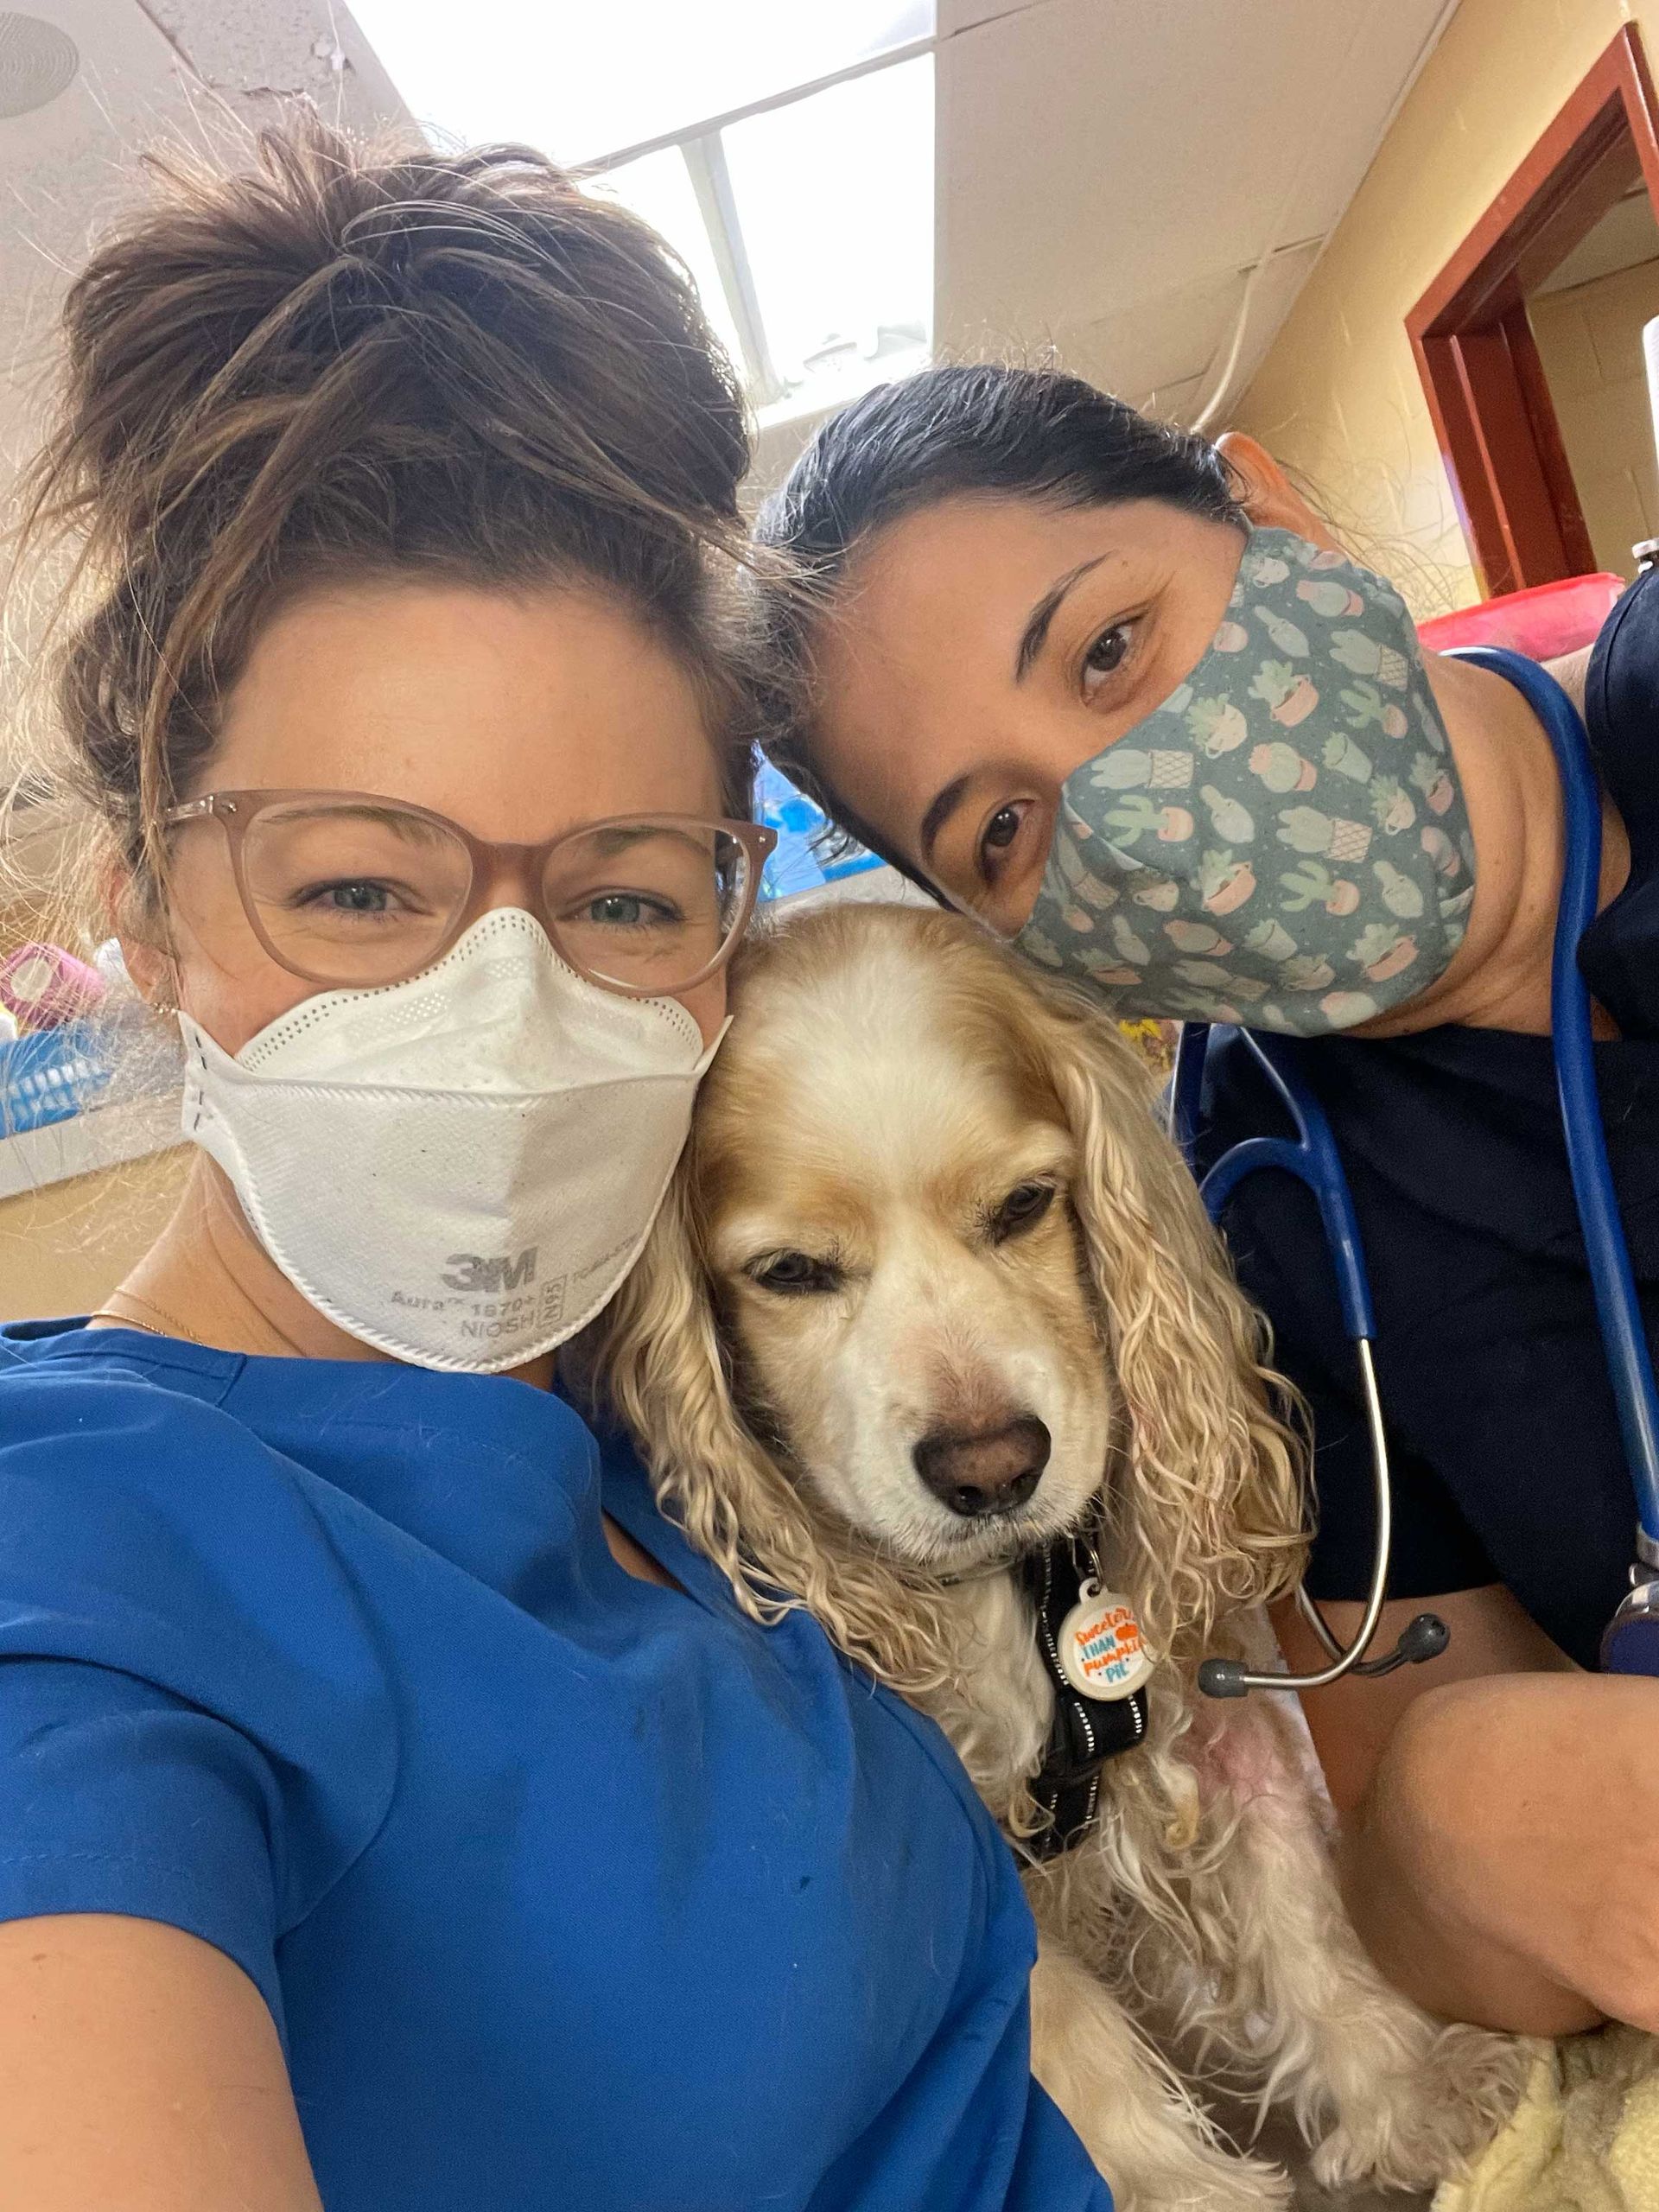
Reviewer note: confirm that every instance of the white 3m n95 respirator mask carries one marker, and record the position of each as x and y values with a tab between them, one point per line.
459	1169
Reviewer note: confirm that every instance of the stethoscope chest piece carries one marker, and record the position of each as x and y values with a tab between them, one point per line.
1631	1645
1101	1652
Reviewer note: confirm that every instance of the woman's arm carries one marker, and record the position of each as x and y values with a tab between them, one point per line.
1500	1822
139	2068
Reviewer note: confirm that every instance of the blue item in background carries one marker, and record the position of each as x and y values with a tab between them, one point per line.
51	1075
799	864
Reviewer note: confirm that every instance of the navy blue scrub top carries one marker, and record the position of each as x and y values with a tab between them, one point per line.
564	1889
1504	1439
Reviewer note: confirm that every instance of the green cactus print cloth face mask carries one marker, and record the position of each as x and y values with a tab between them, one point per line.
1283	844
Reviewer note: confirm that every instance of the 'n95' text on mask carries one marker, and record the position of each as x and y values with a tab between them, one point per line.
1283	842
459	1169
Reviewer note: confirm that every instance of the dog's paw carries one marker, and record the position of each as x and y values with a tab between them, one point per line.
1419	2124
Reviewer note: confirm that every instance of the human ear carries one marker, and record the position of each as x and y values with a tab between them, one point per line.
1267	494
132	917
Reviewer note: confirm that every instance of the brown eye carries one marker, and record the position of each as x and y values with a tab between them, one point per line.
795	1274
1022	1209
1105	656
999	833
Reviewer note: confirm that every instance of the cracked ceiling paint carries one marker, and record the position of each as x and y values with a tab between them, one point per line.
277	51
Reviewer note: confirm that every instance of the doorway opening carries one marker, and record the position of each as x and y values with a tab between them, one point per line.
1588	319
1528	342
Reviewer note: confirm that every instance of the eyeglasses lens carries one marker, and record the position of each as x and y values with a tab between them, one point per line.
648	905
353	893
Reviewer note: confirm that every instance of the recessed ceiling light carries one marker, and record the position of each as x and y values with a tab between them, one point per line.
37	62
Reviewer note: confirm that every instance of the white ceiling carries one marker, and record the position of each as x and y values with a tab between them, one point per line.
199	71
1110	170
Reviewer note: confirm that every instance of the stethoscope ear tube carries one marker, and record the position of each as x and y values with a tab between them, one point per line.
1631	1645
1311	1157
1629	1365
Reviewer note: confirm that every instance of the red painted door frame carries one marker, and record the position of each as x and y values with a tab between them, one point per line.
1482	375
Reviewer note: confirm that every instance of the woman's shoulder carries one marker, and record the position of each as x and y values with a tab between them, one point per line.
143	1527
103	1414
186	1655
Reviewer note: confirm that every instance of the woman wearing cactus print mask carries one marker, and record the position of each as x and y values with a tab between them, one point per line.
1120	693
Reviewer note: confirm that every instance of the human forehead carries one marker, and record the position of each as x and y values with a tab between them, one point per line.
518	713
997	543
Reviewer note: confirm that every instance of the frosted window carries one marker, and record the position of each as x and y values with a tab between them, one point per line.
835	203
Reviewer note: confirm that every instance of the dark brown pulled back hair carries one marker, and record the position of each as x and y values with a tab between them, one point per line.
961	431
344	366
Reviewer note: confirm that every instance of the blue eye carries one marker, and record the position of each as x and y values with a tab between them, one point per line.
627	910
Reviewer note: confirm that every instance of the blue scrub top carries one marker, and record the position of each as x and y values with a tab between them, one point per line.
564	1889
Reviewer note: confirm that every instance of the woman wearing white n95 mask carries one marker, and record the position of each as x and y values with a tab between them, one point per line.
395	1812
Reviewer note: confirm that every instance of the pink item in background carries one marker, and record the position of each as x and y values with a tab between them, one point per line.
1542	623
44	986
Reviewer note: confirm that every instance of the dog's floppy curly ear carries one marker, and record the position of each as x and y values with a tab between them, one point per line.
1212	1509
656	1359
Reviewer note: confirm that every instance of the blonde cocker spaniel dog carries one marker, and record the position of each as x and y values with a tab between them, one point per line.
932	1324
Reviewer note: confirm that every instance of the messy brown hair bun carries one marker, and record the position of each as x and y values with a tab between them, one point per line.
341	364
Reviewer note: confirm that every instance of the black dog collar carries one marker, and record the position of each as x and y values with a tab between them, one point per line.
1086	1732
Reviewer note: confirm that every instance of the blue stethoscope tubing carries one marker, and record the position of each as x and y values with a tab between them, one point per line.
1632	1642
1631	1645
1629	1363
1312	1158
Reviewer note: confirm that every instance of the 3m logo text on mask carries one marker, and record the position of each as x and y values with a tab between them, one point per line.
470	1271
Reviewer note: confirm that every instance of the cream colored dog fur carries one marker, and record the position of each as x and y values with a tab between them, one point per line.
926	1197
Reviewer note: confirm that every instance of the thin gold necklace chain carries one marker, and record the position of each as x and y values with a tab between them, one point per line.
173	1328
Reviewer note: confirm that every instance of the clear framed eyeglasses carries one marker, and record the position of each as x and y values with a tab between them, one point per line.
347	888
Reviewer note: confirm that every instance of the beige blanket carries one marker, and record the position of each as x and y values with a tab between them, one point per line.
1584	2138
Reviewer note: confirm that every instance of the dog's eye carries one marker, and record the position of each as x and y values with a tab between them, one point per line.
1025	1204
795	1273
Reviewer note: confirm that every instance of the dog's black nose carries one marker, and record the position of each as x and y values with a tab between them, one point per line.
987	1469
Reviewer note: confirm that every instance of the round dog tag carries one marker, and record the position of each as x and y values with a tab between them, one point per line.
1102	1654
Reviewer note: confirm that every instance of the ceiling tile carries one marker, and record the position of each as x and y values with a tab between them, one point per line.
1175	338
1097	153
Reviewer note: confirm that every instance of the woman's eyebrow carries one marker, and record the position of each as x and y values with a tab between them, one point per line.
1043	613
945	805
